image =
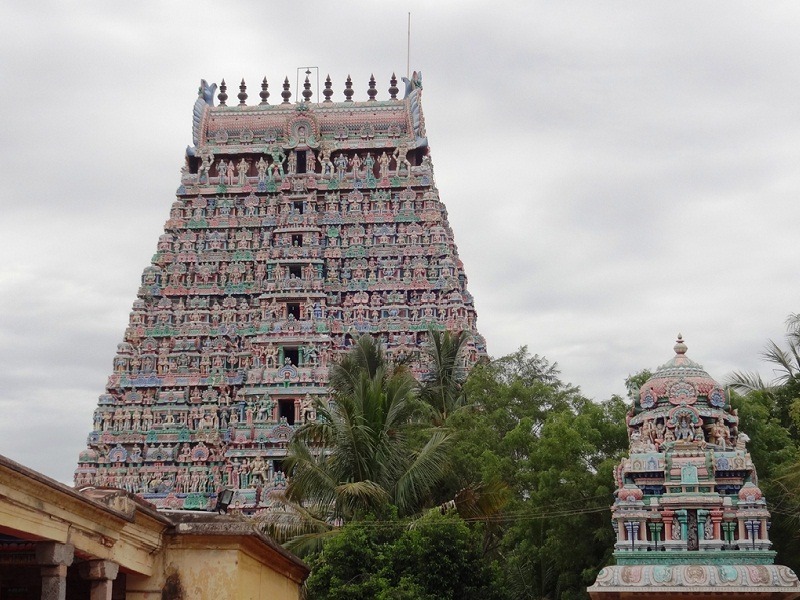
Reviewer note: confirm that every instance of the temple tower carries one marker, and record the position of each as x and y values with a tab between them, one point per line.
297	227
690	519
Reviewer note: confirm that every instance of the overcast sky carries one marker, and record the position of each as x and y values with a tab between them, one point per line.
614	172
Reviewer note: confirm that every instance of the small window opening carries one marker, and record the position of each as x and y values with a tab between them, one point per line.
298	206
295	271
293	354
293	308
297	239
301	161
286	411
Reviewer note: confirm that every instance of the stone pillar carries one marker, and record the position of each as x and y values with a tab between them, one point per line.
102	574
54	558
683	519
667	514
703	523
716	519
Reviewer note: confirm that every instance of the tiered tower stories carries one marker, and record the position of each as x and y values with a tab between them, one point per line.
297	227
690	519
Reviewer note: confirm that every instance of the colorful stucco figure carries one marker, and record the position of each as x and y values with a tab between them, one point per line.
690	519
287	240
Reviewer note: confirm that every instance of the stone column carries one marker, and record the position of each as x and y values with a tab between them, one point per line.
716	519
667	514
54	558
683	519
102	574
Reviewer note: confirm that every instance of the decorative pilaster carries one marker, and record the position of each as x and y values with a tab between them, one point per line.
667	515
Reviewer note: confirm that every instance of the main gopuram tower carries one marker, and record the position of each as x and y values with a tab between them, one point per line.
297	227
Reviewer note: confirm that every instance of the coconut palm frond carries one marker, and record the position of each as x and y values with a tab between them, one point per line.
287	519
310	478
426	470
309	543
782	359
482	501
357	495
745	382
442	387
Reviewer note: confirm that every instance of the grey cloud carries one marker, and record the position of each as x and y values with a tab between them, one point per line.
614	173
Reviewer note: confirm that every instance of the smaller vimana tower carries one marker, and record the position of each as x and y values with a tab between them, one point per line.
297	227
690	520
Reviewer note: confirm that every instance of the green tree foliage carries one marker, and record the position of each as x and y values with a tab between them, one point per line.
635	382
370	460
438	558
442	388
555	451
530	465
769	413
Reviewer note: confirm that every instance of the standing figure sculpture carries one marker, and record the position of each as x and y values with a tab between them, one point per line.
243	167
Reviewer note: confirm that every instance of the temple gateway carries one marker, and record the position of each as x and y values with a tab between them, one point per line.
297	227
690	519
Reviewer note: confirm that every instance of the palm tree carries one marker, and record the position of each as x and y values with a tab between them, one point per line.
357	456
786	363
442	387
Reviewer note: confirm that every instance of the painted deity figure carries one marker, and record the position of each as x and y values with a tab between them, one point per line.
277	160
311	165
327	165
369	164
426	162
307	409
261	167
383	161
401	159
222	169
205	168
356	163
720	433
684	429
243	167
669	435
341	166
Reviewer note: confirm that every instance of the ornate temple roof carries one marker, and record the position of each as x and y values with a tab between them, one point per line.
680	382
690	519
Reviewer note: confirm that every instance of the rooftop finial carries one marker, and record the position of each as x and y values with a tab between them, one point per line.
327	92
264	93
242	93
372	92
680	347
348	90
307	93
286	94
222	96
393	89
